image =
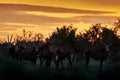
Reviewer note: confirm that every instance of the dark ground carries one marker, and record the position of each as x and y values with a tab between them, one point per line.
13	70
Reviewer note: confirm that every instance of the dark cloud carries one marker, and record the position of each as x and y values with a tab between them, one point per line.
23	7
103	2
9	14
13	17
29	18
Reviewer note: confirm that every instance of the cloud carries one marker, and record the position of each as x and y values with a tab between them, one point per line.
27	20
16	13
23	7
103	2
13	17
97	19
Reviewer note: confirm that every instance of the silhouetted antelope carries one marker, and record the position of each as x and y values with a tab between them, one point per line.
12	51
45	55
28	55
100	54
60	56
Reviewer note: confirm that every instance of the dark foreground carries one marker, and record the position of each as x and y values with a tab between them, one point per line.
11	70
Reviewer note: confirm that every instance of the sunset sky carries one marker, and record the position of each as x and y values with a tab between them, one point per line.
43	16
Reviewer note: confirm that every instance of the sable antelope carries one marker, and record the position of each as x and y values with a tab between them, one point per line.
100	54
28	55
60	56
12	51
45	55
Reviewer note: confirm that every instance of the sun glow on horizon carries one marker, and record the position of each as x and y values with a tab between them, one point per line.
81	27
45	21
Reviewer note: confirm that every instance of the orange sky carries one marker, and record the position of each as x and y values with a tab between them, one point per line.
45	15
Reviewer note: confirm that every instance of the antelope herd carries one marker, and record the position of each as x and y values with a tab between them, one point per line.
46	55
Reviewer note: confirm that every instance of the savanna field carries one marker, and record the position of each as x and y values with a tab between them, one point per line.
14	70
98	45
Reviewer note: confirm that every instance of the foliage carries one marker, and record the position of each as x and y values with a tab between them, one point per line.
98	35
64	36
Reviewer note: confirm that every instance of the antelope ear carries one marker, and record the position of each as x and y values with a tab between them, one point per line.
12	42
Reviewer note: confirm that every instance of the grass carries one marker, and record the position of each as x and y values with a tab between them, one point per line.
18	71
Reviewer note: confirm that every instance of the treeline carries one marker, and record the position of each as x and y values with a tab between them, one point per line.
98	35
66	39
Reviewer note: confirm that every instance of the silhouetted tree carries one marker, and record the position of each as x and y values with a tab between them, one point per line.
117	24
95	37
64	36
115	40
